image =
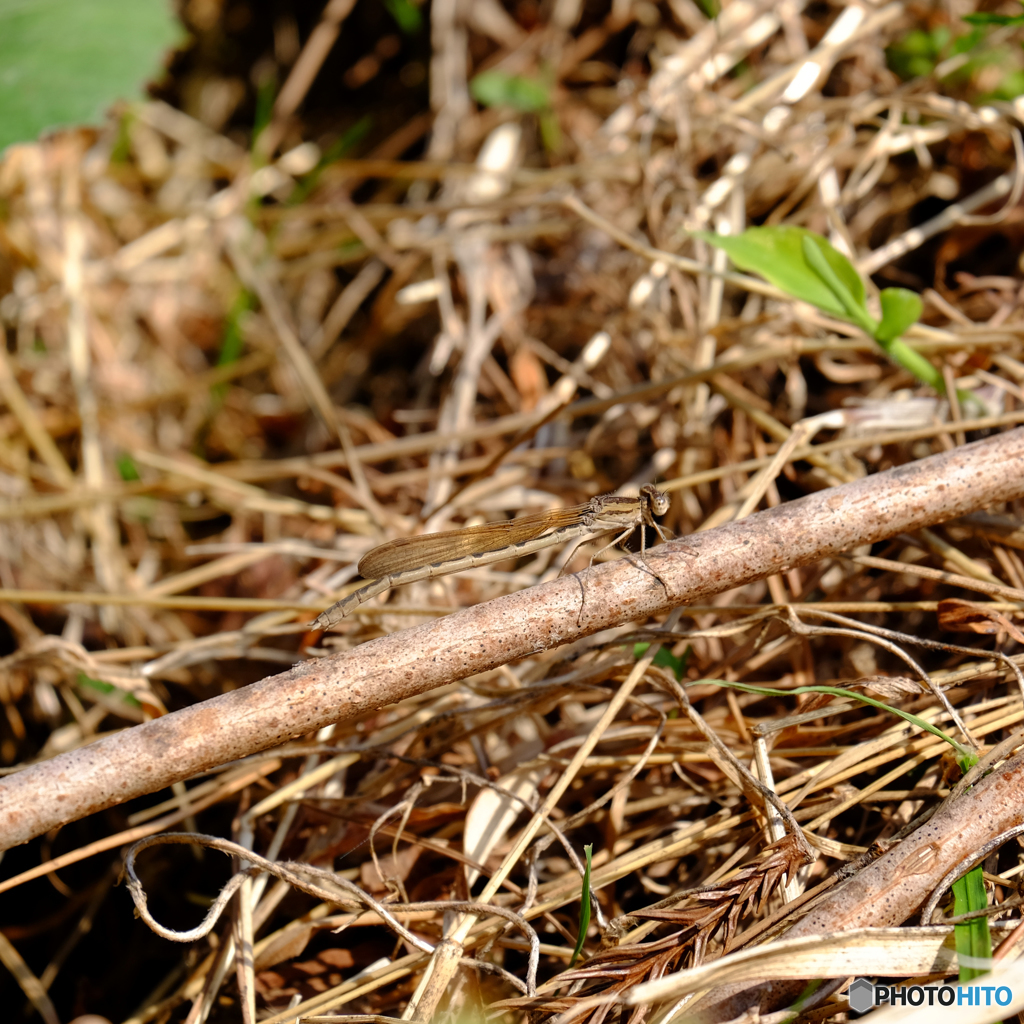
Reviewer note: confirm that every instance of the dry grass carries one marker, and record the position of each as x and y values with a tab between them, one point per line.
218	397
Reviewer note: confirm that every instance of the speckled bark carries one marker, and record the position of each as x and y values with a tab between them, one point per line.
316	693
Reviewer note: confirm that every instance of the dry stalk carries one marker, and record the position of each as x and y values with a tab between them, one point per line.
889	890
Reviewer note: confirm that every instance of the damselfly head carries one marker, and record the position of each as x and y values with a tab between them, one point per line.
657	502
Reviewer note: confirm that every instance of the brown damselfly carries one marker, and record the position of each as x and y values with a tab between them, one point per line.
410	559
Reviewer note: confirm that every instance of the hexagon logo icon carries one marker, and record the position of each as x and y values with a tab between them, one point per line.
861	995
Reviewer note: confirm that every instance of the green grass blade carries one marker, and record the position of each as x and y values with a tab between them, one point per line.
838	691
584	907
973	938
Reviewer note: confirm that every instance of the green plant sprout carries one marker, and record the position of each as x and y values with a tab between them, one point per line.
918	53
985	18
126	468
266	96
341	148
584	907
958	59
808	267
528	95
972	938
110	695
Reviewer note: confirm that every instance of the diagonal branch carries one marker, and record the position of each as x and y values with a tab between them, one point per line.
322	691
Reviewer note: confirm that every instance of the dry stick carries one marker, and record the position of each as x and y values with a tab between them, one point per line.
615	168
952	578
319	44
649	252
108	559
276	307
257	605
267	605
229	787
352	296
392	668
26	414
948	218
30	984
552	404
252	497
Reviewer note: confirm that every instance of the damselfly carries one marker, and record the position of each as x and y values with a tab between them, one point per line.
411	559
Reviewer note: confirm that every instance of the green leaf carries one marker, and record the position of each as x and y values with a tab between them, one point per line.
709	8
777	253
807	267
126	467
964	44
852	300
972	938
121	151
407	15
550	131
498	89
1009	88
64	62
916	54
900	309
266	96
665	658
584	907
232	343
